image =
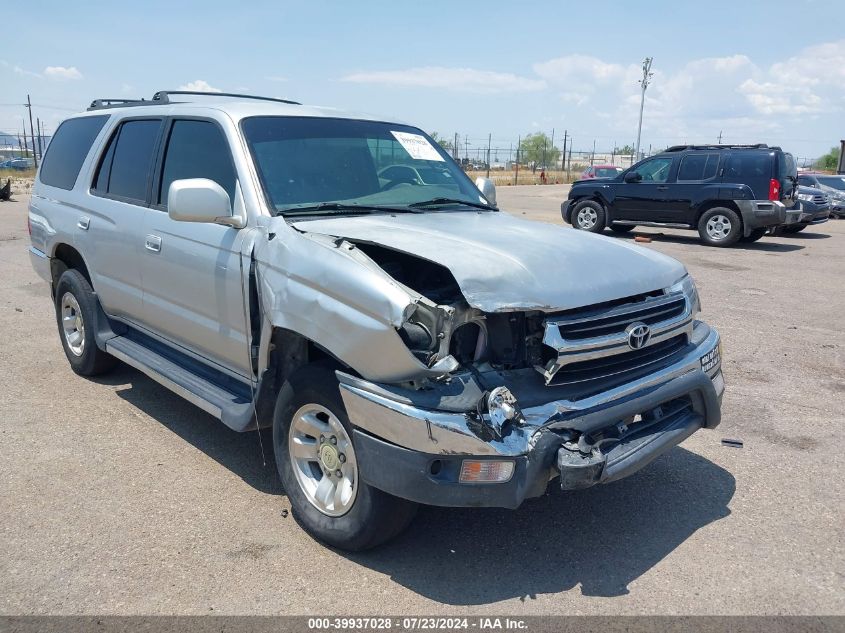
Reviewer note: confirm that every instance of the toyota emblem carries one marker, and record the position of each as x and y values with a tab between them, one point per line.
638	335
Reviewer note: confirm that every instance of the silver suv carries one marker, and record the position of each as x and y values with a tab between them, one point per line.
340	279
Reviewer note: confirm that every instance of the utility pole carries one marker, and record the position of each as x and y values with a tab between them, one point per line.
553	142
593	155
40	150
563	158
647	74
720	137
516	173
456	153
489	140
31	131
466	147
569	163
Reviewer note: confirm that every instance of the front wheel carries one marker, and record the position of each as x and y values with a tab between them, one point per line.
720	226
316	460
588	215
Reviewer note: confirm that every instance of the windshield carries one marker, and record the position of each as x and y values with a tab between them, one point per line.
837	182
607	172
304	162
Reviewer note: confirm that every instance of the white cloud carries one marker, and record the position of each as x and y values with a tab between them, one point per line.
199	85
456	79
27	73
62	72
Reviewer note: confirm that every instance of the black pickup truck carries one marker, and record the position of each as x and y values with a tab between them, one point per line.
726	192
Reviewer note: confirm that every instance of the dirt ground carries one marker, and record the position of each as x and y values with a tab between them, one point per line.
119	497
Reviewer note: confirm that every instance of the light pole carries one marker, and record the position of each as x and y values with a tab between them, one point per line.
647	74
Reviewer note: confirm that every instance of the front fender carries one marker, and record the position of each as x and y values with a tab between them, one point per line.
332	294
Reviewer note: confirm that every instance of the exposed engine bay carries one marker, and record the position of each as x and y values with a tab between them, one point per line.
444	325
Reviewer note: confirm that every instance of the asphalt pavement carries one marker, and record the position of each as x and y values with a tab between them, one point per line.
119	497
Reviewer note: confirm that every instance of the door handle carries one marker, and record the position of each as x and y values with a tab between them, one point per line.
83	222
662	188
152	243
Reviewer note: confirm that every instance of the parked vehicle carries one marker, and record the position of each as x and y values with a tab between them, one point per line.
726	192
832	185
601	171
812	207
407	342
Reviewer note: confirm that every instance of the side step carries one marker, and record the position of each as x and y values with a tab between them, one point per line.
221	396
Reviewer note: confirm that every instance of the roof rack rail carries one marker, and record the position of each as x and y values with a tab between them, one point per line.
99	104
163	96
680	148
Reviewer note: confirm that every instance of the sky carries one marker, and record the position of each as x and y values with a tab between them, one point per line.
771	72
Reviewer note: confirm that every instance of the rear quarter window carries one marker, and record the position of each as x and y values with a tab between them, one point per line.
68	149
748	165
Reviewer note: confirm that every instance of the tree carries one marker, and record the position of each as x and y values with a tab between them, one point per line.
446	144
624	151
537	148
828	162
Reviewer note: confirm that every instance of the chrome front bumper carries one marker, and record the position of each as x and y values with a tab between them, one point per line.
451	433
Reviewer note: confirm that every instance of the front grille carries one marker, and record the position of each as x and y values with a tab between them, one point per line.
650	313
820	198
590	346
619	365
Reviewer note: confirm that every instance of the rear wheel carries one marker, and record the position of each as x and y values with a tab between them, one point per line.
76	304
621	228
720	226
588	215
795	229
755	235
316	460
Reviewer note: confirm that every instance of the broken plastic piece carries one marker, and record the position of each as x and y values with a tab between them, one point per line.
642	238
732	443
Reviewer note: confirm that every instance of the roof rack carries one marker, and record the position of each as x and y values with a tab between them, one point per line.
680	148
162	97
99	104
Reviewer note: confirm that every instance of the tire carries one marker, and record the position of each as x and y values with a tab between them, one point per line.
76	306
588	215
309	407
621	228
756	234
795	229
720	226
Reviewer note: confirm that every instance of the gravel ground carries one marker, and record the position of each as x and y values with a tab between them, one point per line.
118	497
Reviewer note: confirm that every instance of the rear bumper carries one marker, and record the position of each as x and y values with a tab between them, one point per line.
417	454
807	214
758	214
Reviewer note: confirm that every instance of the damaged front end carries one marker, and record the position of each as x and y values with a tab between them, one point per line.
457	404
533	395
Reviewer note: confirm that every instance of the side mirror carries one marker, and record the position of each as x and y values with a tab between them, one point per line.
487	189
633	176
200	200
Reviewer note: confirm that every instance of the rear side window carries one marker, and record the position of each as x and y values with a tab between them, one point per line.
787	167
68	149
698	167
125	167
746	165
197	149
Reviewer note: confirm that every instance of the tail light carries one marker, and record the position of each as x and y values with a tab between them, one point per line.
774	189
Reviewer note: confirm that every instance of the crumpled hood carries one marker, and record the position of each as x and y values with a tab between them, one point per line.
504	263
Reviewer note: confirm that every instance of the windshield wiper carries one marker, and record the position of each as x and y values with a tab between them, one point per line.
439	201
339	208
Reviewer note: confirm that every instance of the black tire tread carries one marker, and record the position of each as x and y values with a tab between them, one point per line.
93	361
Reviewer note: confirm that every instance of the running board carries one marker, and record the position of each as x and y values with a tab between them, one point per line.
661	225
168	369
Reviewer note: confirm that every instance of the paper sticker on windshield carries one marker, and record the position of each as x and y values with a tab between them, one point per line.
417	146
